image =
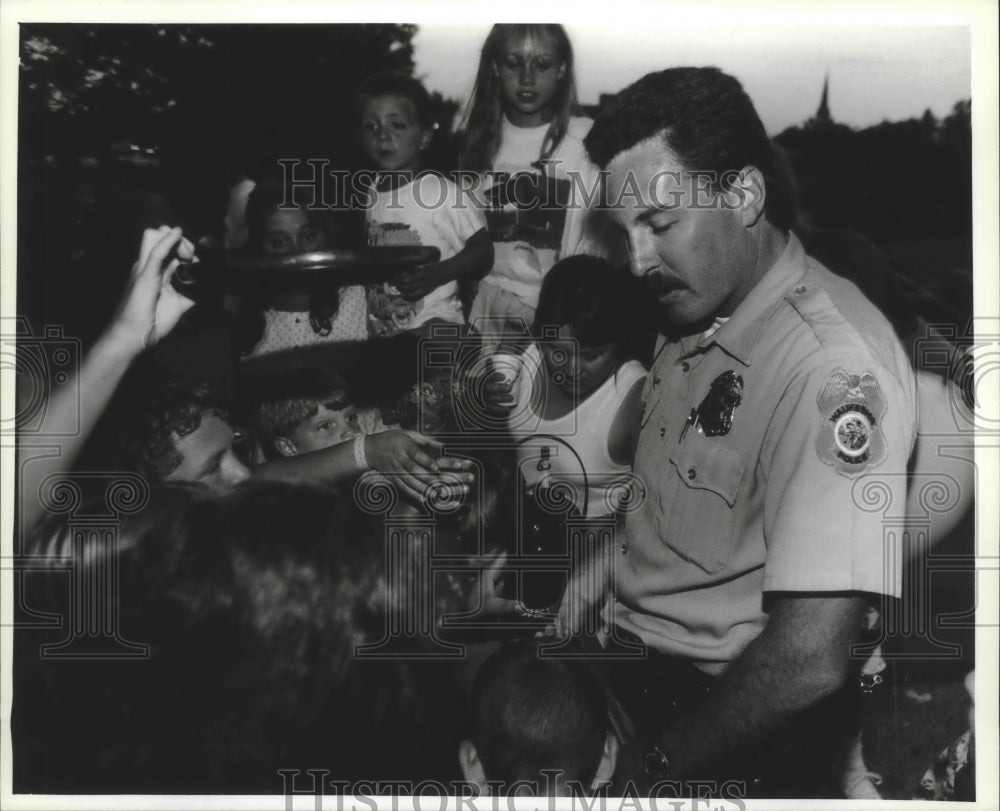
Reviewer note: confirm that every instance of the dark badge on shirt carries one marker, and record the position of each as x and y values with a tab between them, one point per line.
714	416
851	438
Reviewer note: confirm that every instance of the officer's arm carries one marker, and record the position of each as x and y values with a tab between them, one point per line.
802	656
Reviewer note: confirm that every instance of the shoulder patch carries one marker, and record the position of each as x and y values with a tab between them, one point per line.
852	407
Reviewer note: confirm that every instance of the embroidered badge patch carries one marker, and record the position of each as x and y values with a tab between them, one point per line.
851	437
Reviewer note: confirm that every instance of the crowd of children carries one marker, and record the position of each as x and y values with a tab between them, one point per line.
338	389
497	391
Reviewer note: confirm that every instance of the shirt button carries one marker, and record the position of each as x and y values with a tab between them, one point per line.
663	432
691	473
800	289
685	366
656	380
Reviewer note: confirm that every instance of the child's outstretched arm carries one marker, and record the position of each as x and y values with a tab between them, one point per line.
149	309
406	456
472	262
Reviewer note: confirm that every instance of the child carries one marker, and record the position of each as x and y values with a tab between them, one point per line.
538	726
411	208
307	420
580	384
579	402
294	319
521	135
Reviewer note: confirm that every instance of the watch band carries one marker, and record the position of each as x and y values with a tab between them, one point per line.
656	764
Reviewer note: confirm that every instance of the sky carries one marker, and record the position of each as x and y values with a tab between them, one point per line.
877	72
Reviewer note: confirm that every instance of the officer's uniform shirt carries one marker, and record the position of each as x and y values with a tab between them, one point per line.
793	494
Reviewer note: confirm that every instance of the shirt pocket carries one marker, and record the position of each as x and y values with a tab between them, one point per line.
701	525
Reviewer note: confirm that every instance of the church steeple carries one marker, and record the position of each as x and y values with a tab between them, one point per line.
823	113
822	117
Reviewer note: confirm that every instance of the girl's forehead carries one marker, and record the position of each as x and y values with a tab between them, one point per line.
531	43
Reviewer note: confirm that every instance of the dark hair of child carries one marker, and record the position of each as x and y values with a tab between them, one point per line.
148	419
341	228
293	397
529	714
253	608
396	83
601	303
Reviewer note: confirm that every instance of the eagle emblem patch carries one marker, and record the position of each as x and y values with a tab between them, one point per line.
851	438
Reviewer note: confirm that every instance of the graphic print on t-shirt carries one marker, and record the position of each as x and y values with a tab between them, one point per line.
528	207
388	312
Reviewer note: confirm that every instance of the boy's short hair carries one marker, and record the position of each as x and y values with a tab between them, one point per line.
396	83
292	398
151	423
529	714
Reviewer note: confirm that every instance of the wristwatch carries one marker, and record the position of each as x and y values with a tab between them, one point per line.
656	764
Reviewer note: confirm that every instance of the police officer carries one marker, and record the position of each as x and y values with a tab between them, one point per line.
777	426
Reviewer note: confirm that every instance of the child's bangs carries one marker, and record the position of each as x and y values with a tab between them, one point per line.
518	32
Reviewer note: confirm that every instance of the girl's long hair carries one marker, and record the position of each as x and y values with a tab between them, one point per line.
483	121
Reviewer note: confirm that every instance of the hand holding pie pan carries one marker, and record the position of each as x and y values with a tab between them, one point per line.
302	271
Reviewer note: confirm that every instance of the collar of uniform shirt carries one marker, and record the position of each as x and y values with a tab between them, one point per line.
738	335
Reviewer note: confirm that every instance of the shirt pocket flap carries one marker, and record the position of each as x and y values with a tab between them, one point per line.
704	464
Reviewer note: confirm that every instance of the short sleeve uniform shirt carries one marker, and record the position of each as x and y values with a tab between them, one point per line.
768	454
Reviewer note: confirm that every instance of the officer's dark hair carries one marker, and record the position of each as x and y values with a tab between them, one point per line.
707	121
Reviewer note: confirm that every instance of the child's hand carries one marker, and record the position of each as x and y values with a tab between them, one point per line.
490	603
498	395
414	463
417	283
150	307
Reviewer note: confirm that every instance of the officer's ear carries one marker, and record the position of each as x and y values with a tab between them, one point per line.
746	193
472	766
609	760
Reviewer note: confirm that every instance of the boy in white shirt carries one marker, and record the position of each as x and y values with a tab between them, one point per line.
410	207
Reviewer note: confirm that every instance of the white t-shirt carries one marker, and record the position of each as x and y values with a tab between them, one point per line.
572	450
539	214
429	212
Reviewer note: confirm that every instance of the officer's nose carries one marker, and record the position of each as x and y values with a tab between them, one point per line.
642	256
527	77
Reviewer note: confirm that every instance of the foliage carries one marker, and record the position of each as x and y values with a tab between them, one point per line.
891	181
